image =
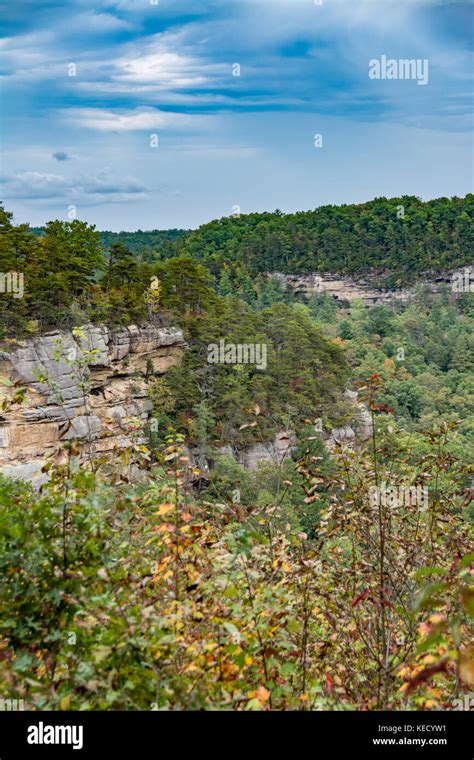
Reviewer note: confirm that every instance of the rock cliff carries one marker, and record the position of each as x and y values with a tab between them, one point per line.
87	385
347	289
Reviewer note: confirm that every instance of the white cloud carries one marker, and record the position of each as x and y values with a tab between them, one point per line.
105	120
99	22
34	185
100	187
25	52
161	68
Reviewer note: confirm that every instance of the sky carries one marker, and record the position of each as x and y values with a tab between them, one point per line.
155	114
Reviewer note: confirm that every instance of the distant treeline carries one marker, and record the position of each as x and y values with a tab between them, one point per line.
73	273
393	238
397	238
142	243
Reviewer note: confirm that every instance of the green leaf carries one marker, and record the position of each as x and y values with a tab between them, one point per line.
434	637
234	632
423	572
429	596
100	653
253	704
467	596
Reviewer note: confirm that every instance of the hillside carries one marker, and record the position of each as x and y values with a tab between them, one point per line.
398	237
218	492
394	237
144	243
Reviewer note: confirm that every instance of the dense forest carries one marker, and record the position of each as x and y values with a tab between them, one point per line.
395	238
103	276
400	237
145	244
337	578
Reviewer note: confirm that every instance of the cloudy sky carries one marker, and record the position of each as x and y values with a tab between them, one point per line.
169	113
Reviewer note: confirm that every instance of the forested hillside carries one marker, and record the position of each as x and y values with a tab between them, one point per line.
394	237
399	236
142	243
168	573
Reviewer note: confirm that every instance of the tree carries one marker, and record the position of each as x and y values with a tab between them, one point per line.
123	268
186	285
17	249
65	268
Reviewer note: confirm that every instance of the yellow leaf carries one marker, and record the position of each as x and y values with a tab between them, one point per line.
424	629
262	694
164	509
100	653
253	704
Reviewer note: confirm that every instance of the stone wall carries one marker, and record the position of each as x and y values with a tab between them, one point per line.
87	385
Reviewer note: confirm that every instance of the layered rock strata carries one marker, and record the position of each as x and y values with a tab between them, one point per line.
87	385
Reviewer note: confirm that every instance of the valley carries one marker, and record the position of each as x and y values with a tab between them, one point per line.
235	462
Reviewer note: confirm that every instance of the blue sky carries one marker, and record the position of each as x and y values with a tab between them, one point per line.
167	69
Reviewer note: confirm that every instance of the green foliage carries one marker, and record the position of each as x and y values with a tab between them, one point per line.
433	235
209	586
41	567
17	248
157	597
148	245
304	377
186	285
65	269
424	355
75	274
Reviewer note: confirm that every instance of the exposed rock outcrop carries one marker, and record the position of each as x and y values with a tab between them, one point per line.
359	430
348	289
283	445
87	385
275	451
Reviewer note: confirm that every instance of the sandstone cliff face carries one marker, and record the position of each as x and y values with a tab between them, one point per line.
358	431
90	385
274	452
84	385
348	289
